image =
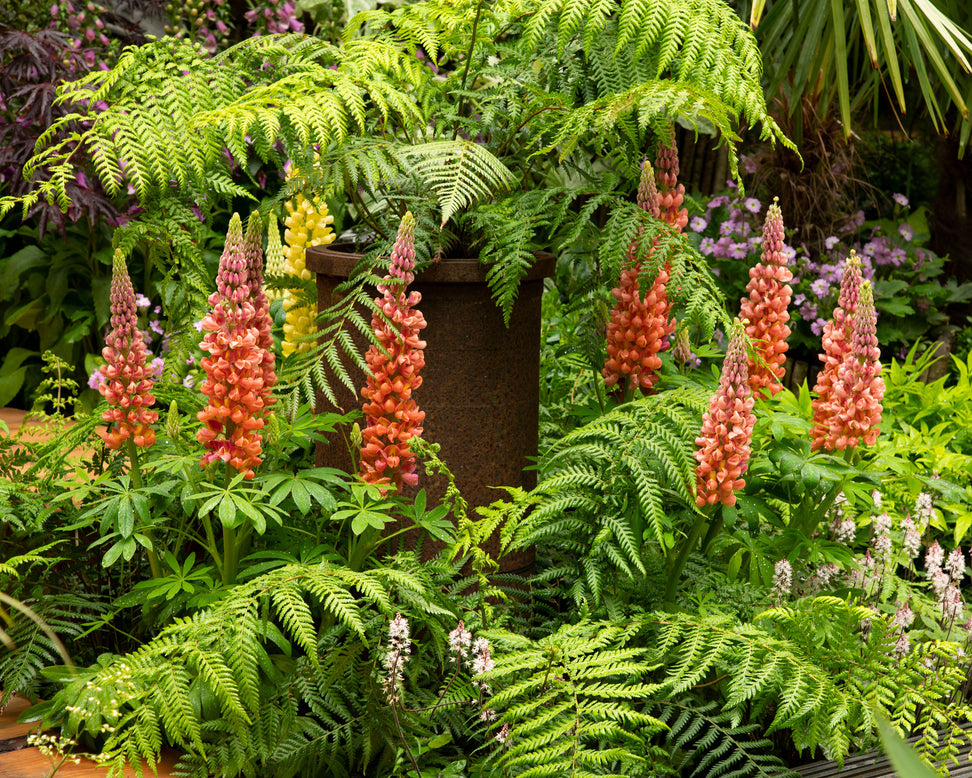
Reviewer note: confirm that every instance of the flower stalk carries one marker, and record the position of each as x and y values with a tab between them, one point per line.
392	415
240	366
764	309
127	378
727	429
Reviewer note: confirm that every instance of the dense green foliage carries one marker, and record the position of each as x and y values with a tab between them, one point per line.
270	624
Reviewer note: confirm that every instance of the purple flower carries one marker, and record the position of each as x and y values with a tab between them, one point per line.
900	199
789	252
740	250
188	381
707	246
698	224
96	379
142	301
820	287
156	327
727	228
906	231
753	205
157	365
817	327
718	202
832	241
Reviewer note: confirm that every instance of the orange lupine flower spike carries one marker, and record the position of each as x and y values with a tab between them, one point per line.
638	329
392	416
764	309
239	372
836	344
852	412
727	429
128	380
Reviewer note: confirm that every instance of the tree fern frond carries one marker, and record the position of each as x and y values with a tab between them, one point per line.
459	172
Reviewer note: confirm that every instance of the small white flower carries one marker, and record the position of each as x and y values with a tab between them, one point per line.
955	566
911	543
459	640
940	583
951	602
904	616
933	559
903	646
782	578
844	531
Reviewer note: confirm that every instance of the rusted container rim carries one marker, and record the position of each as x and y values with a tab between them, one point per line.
339	260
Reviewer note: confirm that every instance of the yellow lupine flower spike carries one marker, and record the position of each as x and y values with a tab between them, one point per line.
307	224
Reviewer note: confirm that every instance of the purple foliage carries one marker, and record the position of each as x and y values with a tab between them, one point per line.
32	64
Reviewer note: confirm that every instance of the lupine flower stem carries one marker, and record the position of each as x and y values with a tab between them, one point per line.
727	427
135	467
212	547
674	573
638	328
135	470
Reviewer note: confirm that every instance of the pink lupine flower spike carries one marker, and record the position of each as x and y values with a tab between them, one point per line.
127	378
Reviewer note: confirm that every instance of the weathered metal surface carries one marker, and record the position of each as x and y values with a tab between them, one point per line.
874	764
480	388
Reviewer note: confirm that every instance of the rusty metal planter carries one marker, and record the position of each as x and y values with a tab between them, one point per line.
480	389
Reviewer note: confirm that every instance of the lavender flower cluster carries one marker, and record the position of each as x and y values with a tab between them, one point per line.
890	251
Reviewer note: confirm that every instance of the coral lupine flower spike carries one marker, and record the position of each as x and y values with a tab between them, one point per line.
853	412
764	308
727	429
128	379
239	368
638	329
392	416
671	194
836	344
